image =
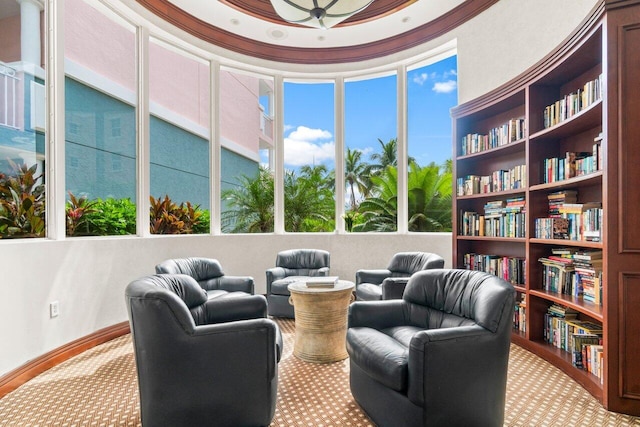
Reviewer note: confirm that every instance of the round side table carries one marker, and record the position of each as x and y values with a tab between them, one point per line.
321	321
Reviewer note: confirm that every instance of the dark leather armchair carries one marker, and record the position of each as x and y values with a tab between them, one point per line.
389	283
293	265
208	273
202	361
436	357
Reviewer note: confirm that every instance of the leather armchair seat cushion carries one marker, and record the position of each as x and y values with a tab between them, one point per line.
281	286
382	354
368	292
217	293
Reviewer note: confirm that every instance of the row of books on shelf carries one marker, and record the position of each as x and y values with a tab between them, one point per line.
508	268
569	219
585	227
574	163
500	180
501	218
520	316
573	103
574	272
511	131
580	338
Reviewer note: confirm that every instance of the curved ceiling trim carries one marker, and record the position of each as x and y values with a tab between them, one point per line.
264	10
167	11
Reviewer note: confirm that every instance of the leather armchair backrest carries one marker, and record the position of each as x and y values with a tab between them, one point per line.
201	269
454	297
302	260
179	292
408	263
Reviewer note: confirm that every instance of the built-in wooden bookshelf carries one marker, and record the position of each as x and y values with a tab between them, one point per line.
567	129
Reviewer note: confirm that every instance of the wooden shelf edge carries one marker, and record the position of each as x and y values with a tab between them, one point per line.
31	369
562	360
595	176
585	307
585	113
508	147
493	239
492	195
567	242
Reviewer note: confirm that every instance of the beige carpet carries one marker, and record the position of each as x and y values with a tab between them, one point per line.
99	388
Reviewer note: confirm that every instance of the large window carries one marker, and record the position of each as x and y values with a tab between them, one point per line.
431	93
100	122
371	154
179	104
246	139
22	121
309	157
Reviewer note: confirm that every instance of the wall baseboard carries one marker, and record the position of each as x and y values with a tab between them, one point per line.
31	369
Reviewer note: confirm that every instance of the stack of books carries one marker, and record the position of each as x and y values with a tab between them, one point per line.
588	271
321	282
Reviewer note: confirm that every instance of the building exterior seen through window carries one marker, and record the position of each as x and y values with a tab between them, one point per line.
101	146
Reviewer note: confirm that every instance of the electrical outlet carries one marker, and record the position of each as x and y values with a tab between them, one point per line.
54	309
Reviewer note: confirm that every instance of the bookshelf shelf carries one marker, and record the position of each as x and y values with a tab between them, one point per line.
567	242
581	122
585	307
586	92
512	147
594	178
495	239
493	195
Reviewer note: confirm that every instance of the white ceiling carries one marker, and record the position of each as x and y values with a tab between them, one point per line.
232	20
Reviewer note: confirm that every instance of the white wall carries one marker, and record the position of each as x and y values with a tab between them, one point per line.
88	276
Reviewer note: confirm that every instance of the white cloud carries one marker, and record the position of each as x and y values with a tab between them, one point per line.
419	79
449	73
304	146
445	87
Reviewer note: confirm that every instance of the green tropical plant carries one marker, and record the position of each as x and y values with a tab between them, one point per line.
429	200
380	212
309	203
203	226
114	217
250	204
430	197
169	218
22	202
78	212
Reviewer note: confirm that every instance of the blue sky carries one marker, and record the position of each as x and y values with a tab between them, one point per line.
370	113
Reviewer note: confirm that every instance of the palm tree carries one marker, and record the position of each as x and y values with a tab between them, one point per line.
250	204
388	156
355	176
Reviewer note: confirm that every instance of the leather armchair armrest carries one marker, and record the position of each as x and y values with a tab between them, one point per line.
450	357
237	284
273	274
372	276
219	310
376	314
393	287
